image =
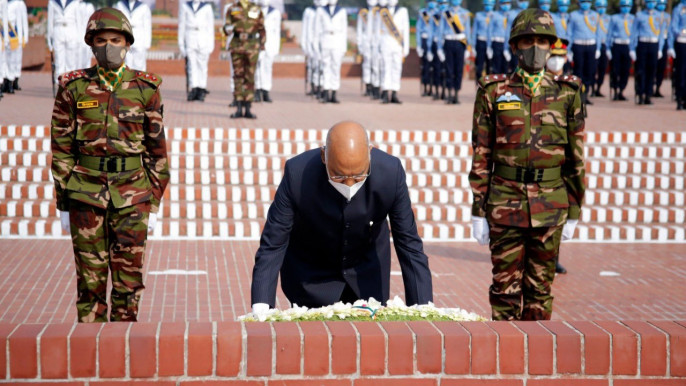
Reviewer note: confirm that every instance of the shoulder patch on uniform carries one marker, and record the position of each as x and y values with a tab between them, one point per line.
69	77
488	79
149	78
571	80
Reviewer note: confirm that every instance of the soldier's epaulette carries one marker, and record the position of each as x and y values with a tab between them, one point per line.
488	79
69	77
149	78
571	80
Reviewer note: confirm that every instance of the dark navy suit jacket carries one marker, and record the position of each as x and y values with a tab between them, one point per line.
319	241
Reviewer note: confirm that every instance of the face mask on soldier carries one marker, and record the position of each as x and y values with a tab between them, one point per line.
533	59
555	63
110	56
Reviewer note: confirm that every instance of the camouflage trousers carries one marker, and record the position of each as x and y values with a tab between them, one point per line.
108	241
523	271
244	64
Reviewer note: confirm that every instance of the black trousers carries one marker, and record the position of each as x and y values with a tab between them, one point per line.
426	66
620	66
602	67
661	67
646	67
585	64
680	70
481	61
454	61
436	66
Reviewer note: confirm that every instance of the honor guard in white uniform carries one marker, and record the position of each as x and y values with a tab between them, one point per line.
139	16
17	22
4	43
265	62
364	19
196	42
305	37
394	38
376	62
85	51
332	32
63	35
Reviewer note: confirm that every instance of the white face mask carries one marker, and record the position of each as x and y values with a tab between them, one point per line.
347	191
555	63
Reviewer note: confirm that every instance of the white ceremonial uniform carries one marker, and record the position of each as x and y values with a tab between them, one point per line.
392	50
374	46
364	19
4	39
139	16
332	32
232	85
63	35
86	9
17	19
265	62
196	39
305	37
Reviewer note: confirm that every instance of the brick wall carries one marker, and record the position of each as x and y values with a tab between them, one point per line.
360	353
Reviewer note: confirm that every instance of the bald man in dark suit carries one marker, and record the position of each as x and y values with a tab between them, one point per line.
327	231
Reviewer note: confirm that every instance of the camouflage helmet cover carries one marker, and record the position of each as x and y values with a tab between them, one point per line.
110	19
533	21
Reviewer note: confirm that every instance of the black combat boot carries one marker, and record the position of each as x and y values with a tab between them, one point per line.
647	101
201	94
621	96
638	99
598	94
16	84
333	98
658	94
247	113
192	95
394	98
376	93
367	89
239	110
324	96
559	268
265	96
384	97
258	95
9	87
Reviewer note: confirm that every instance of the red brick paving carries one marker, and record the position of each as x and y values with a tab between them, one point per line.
37	277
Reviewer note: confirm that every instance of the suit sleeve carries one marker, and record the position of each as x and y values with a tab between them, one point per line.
573	170
155	155
273	244
63	144
414	264
483	135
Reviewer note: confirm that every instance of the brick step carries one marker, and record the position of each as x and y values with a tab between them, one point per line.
425	164
234	193
275	148
423	212
414	179
403	136
429	231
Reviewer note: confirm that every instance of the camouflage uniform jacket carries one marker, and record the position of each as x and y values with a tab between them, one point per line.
246	20
545	130
87	120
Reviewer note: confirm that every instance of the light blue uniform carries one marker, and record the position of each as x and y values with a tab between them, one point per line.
453	41
646	43
479	38
424	30
498	35
617	42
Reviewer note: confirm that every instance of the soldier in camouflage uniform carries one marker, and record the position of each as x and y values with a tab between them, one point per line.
527	170
246	22
109	163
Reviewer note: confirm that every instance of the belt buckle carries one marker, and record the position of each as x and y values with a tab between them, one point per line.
528	175
112	165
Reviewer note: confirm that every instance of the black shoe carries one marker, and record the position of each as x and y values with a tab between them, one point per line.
639	99
384	97
239	110
324	96
258	96
265	96
247	113
394	98
456	100
3	86
367	89
376	93
559	268
201	94
621	97
192	94
16	84
10	86
598	94
647	101
658	94
333	98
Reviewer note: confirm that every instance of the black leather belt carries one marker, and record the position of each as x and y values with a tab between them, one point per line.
110	164
527	175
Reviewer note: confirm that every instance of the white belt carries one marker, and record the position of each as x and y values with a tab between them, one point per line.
481	38
681	39
456	37
424	35
621	41
648	39
498	39
584	42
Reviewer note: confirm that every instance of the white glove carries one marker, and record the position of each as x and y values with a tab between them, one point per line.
64	221
608	53
152	221
568	229
597	54
570	56
260	311
467	54
441	55
420	52
507	55
659	55
430	56
632	55
671	53
489	53
480	230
